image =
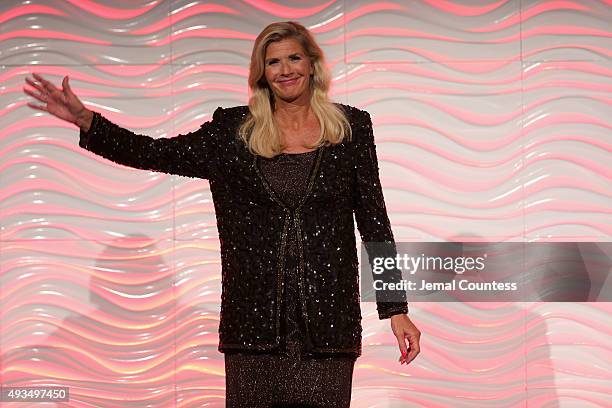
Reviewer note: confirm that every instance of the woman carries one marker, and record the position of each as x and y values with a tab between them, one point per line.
286	173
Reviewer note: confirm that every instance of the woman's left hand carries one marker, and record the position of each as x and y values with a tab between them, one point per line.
404	329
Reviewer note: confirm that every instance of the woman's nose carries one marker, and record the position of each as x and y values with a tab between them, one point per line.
285	68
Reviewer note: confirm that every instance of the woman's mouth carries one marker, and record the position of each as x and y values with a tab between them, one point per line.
288	82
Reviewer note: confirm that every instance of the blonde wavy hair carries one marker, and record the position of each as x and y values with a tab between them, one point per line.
259	130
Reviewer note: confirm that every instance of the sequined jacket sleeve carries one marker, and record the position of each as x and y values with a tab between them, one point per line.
193	154
371	216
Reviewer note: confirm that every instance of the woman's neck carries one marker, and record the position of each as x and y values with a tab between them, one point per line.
291	114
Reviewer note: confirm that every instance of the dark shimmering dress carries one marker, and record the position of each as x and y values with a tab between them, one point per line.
288	377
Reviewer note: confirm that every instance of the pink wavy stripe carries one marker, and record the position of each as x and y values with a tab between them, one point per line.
578	66
226	88
393	32
565	30
530	209
602	170
109	326
492	144
355	75
90	336
584	339
467	64
195	210
81	92
362	10
81	249
516	232
103	363
12	233
411	141
27	9
198	398
475	145
415	88
64	368
65	210
164	81
526	14
183	13
590	321
154	270
56	270
140	304
577	368
464	10
41	185
605	229
279	10
459	67
115	13
459	389
553	398
469	116
408	33
91	182
458	183
483	67
234	70
606	52
595	87
575	118
136	123
580	337
129	70
46	34
59	71
203	33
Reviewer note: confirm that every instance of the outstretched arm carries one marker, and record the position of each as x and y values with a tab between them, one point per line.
193	154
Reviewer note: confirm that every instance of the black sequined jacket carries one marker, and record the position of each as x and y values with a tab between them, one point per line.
253	222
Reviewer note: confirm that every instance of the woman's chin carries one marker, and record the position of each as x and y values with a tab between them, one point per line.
292	97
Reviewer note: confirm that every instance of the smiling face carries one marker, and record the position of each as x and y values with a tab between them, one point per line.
288	70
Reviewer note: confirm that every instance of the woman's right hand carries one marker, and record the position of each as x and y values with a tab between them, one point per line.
62	103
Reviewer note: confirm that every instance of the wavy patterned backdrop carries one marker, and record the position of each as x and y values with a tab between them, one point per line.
493	122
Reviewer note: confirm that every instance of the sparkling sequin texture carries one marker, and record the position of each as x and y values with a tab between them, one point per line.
254	227
264	380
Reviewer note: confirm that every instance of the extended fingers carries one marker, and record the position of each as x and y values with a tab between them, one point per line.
40	97
48	86
37	107
35	85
